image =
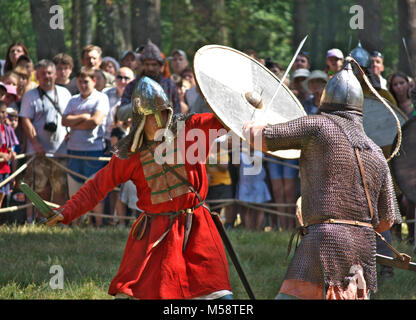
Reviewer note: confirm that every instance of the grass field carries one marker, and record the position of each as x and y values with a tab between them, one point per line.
90	258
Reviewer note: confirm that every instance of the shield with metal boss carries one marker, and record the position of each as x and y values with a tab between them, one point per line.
238	89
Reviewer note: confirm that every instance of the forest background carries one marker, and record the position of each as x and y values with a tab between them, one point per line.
272	28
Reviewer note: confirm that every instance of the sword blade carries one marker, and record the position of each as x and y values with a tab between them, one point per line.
37	201
288	70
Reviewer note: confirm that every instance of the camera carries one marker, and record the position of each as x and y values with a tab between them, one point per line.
50	126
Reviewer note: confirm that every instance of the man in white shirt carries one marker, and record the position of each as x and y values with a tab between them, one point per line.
41	113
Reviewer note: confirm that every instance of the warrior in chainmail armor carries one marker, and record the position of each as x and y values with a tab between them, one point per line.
336	257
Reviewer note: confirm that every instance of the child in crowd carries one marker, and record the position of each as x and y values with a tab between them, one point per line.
25	62
11	78
7	141
13	121
13	118
128	192
86	115
219	178
252	187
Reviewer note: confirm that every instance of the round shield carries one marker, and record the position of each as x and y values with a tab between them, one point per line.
238	89
379	124
404	163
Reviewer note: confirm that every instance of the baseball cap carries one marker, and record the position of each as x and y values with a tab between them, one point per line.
377	54
178	51
315	74
335	53
125	53
301	73
12	111
10	89
113	61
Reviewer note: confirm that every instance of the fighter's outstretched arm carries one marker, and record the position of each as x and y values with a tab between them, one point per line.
294	134
94	190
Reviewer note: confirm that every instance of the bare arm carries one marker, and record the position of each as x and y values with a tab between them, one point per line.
71	120
90	123
32	135
5	156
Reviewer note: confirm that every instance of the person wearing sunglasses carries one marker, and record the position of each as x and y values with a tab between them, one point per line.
122	78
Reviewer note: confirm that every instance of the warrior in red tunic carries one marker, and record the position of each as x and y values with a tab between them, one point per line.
174	250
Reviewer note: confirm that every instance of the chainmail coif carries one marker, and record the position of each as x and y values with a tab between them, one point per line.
332	187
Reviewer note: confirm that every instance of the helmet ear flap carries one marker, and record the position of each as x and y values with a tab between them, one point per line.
138	136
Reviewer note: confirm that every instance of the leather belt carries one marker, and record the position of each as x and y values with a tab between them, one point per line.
145	218
302	230
340	221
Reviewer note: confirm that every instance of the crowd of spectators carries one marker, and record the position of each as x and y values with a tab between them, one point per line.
56	110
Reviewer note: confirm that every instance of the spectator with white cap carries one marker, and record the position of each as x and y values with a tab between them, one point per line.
297	88
179	62
334	61
129	59
315	83
110	65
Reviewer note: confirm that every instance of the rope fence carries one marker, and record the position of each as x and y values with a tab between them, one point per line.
214	204
17	172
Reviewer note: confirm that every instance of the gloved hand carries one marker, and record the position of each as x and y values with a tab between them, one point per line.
56	218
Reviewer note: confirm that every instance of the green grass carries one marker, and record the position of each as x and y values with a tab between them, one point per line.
90	259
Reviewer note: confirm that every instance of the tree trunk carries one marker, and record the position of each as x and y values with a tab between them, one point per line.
370	35
407	30
220	17
211	15
86	12
108	34
49	38
76	34
300	23
125	24
145	23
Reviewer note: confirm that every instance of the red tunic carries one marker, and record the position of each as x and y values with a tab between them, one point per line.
163	272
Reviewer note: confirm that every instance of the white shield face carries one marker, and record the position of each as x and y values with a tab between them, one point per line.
238	89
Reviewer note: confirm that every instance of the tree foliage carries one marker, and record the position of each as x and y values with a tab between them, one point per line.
16	25
263	25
